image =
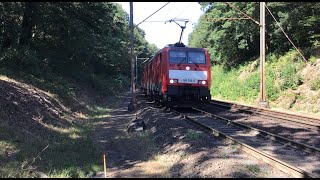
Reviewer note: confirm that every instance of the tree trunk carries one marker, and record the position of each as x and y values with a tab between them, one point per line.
27	23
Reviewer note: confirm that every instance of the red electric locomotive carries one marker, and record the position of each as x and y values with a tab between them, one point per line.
178	75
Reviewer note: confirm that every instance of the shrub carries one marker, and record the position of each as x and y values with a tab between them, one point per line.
290	78
315	84
21	58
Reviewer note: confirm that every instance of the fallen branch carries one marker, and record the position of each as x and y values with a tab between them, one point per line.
34	159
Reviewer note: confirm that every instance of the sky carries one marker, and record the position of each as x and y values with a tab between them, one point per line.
161	33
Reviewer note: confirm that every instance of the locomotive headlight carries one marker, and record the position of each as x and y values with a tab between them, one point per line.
171	81
203	82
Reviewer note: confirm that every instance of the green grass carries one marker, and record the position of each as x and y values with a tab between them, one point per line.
70	152
315	84
243	83
225	156
193	135
312	60
64	156
145	141
253	169
97	111
234	146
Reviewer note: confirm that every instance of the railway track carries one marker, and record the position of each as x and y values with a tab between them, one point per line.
271	148
300	132
298	159
308	121
275	137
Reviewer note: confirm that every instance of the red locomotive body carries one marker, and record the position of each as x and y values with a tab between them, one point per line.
178	75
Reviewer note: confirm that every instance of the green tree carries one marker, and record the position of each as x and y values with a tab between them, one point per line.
88	41
233	42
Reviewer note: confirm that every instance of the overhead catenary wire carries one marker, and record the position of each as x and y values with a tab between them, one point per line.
183	10
286	34
154	21
231	18
171	18
218	19
151	14
259	24
242	13
192	22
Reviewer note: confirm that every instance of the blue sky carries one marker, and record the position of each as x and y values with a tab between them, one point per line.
160	33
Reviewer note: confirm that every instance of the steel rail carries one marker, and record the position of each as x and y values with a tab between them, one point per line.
255	110
296	172
271	136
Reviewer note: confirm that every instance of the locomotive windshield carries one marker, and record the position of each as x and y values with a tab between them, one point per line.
191	57
177	56
196	57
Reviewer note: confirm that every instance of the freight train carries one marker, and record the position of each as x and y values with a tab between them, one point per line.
177	75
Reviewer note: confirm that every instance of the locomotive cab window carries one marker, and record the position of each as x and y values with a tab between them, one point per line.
196	57
177	57
184	57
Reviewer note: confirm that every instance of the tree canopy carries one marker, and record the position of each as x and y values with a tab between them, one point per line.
82	40
232	42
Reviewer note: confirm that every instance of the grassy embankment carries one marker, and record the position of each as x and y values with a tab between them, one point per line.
291	83
35	138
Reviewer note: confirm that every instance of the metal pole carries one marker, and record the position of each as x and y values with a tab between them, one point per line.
263	102
132	105
136	59
137	68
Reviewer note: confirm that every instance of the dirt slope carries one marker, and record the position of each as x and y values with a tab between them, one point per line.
30	110
304	99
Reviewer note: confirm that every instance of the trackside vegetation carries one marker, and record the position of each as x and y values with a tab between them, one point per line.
58	62
63	63
234	49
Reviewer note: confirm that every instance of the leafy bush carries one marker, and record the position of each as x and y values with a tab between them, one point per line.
315	84
273	92
228	86
21	58
290	77
287	68
281	73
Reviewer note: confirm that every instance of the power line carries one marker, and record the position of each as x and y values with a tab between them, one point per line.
242	13
154	21
218	19
223	19
152	14
183	10
285	33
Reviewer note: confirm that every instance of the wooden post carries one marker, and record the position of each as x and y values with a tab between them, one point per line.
104	165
